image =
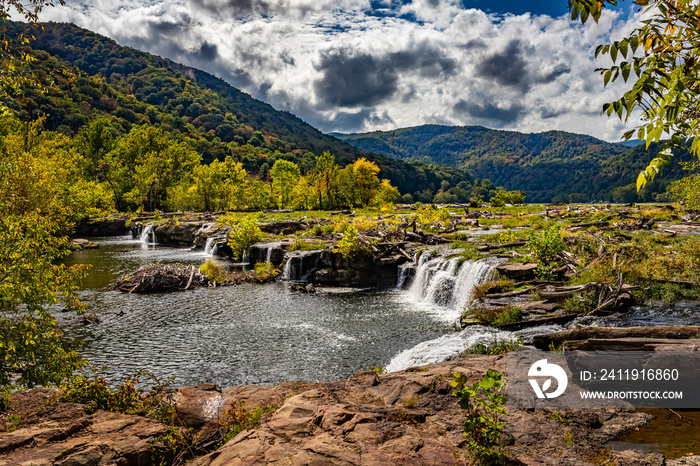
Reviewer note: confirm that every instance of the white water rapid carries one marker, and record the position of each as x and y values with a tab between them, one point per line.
148	236
446	288
445	283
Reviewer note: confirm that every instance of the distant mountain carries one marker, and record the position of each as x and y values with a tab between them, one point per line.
90	76
630	143
550	166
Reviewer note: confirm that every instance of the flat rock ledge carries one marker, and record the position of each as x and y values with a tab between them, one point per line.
402	418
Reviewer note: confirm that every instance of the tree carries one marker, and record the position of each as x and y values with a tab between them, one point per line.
14	75
366	179
34	219
285	176
325	180
663	54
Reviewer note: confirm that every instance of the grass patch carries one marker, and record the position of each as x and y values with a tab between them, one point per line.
495	315
496	347
265	271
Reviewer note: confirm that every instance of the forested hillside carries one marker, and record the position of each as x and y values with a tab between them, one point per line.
88	76
553	166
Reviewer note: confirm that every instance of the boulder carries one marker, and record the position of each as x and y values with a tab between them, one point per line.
66	434
78	244
177	232
110	226
518	271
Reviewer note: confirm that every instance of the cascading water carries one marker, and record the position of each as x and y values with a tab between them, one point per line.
210	246
298	265
449	286
404	271
446	283
148	236
452	345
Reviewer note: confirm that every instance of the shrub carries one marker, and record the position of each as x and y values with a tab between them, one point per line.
496	347
95	392
212	269
243	235
483	427
496	315
239	418
264	271
350	245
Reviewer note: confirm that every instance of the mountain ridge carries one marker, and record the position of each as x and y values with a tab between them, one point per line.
551	166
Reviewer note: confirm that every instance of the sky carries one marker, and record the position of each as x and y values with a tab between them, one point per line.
366	65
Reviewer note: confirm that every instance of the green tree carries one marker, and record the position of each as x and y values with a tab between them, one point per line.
34	219
366	179
661	59
325	180
285	176
15	74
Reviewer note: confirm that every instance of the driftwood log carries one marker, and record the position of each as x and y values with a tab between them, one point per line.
161	277
587	333
633	344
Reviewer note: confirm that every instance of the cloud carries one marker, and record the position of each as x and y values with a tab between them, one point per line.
350	79
489	113
507	68
356	65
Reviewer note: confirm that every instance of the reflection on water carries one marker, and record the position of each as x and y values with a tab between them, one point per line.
672	433
240	334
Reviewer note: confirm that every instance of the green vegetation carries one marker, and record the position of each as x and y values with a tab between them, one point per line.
488	315
496	347
239	417
38	199
94	392
484	425
244	233
350	245
549	167
264	271
662	53
213	270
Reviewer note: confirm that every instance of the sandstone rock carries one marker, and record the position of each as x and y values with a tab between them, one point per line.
177	232
111	226
66	434
79	244
585	333
518	271
406	418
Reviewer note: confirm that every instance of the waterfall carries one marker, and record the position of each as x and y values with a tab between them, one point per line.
452	345
446	286
204	228
404	270
446	282
148	236
299	265
210	246
269	248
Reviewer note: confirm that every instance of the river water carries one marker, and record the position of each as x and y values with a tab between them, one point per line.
267	334
245	334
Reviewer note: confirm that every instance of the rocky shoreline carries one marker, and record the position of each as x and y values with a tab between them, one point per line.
403	418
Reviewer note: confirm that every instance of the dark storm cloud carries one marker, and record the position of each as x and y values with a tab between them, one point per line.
507	68
362	79
208	52
234	7
490	112
558	70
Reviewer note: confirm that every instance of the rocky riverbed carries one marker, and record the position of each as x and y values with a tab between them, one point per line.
403	418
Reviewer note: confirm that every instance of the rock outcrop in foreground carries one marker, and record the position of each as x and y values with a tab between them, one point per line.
404	418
